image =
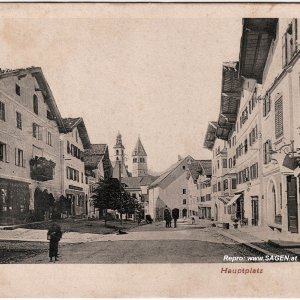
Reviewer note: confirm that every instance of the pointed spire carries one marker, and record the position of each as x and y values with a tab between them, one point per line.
139	148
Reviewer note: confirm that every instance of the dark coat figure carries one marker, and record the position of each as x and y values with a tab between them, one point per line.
54	235
169	221
175	215
167	218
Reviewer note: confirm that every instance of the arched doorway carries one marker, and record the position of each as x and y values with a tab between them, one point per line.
184	213
273	206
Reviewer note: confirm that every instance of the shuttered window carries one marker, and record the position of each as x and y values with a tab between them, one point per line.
289	42
278	118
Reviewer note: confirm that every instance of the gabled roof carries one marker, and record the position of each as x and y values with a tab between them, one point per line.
71	123
94	155
137	182
169	171
37	73
206	164
195	169
139	149
257	37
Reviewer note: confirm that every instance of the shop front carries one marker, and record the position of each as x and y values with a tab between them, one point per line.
77	198
14	201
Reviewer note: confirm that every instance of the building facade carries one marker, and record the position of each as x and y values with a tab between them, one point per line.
30	125
74	181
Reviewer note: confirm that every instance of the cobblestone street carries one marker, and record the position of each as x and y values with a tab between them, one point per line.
145	244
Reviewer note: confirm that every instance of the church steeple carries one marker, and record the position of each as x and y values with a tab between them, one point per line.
119	159
119	148
139	160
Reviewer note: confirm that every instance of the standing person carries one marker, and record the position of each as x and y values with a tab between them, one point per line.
170	221
175	215
54	235
175	221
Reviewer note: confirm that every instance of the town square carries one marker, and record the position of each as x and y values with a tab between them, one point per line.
150	141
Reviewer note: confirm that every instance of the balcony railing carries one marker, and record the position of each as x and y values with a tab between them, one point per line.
41	169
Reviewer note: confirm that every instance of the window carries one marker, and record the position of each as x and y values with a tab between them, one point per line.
19	120
49	138
184	201
134	195
117	152
35	104
266	104
234	161
207	197
267	147
246	145
49	115
37	131
230	163
218	164
219	186
278	118
76	136
3	152
254	171
233	183
18	90
289	43
225	163
81	177
184	191
183	167
2	111
19	158
225	184
135	160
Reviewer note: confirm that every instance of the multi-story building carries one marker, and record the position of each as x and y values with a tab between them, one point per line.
205	204
176	189
276	43
97	167
30	124
74	183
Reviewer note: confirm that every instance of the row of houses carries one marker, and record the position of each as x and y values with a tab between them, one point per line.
255	141
43	156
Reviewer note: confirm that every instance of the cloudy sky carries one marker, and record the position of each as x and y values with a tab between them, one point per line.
157	77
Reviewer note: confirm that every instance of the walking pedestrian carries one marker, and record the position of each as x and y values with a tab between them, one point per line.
54	235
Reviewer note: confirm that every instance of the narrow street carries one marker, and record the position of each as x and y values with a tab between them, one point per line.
151	243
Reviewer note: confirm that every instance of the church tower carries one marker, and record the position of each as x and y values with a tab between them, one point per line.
119	149
119	159
139	160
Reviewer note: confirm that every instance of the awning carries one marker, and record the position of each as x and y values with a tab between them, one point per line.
223	200
233	199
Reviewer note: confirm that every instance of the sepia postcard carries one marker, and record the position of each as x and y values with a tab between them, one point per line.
149	150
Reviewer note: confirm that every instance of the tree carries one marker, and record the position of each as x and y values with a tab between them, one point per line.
107	195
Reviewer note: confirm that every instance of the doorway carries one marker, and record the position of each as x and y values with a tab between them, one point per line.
254	206
292	204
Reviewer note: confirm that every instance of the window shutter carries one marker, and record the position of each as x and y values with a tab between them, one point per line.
16	156
284	50
295	35
7	153
278	118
